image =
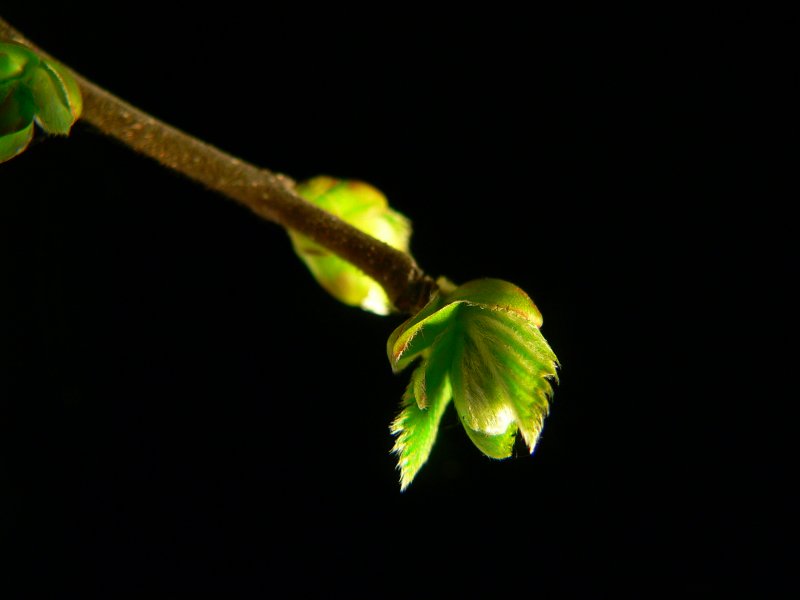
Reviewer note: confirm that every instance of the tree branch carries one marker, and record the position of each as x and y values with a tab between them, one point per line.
267	194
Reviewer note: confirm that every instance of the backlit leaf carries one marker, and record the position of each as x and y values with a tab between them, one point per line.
416	428
483	340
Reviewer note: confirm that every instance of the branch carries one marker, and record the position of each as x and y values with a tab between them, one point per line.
267	194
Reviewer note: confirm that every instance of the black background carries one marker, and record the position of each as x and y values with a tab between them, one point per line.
185	410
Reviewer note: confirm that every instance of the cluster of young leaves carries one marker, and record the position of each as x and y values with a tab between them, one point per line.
478	344
33	89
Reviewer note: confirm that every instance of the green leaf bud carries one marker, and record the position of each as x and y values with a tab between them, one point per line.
366	208
479	344
33	89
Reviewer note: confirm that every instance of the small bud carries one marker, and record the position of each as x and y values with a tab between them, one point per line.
33	89
366	208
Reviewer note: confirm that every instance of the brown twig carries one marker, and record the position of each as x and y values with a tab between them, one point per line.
267	194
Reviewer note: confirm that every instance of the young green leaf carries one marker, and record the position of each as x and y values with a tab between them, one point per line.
365	208
15	142
415	427
480	345
33	89
57	98
16	121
